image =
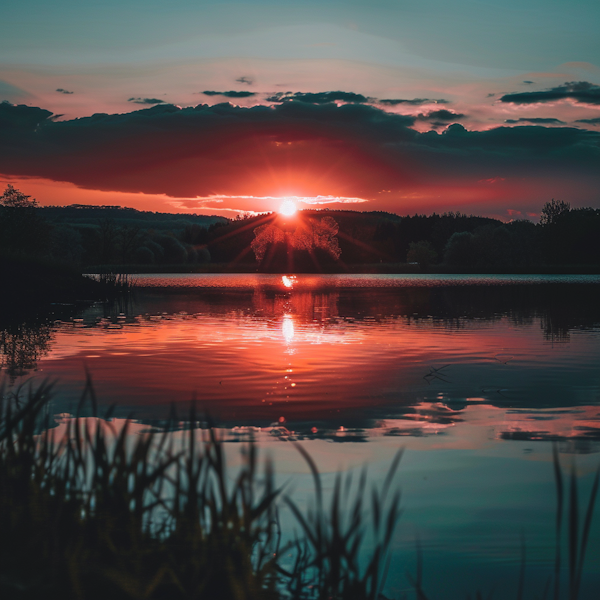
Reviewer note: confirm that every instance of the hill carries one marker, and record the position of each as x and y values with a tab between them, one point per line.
87	215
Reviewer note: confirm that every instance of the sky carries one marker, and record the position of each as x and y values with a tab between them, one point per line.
230	107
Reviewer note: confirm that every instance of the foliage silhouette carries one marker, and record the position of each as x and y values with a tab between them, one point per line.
93	511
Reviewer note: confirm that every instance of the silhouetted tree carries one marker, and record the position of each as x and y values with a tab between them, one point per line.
108	239
573	237
22	230
422	253
129	241
174	251
13	198
66	244
156	249
553	210
460	249
312	244
144	256
195	235
525	244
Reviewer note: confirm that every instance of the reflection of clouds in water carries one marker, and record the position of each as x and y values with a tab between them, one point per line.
575	430
580	434
423	419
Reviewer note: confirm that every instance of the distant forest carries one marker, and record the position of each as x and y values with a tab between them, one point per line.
90	237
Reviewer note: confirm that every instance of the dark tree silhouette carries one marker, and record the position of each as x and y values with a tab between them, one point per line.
553	210
13	198
315	240
422	253
22	230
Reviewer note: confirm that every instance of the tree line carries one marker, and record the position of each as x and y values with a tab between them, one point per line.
92	236
86	236
564	236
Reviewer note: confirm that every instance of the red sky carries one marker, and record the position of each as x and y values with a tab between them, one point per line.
225	159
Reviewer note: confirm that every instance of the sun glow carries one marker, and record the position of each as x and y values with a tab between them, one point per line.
287	208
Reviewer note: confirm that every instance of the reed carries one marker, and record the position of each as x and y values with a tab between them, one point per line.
577	536
113	283
328	559
96	512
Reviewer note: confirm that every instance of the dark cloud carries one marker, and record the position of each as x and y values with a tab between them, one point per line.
146	101
339	96
580	91
413	101
319	97
246	80
62	91
21	118
226	149
442	115
526	82
536	121
594	121
231	94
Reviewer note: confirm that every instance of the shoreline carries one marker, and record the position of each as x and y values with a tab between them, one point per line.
358	269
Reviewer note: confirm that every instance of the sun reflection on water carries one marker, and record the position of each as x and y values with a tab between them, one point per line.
287	328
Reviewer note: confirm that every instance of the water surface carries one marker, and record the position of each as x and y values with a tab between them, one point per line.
475	376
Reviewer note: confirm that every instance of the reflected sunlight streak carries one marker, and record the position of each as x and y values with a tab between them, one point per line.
287	328
288	282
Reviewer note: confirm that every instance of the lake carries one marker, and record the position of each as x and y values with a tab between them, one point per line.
476	377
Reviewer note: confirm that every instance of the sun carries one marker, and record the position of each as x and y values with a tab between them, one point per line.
287	208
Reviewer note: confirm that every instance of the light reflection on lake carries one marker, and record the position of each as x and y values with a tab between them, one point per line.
473	375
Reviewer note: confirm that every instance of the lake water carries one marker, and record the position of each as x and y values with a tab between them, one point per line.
475	376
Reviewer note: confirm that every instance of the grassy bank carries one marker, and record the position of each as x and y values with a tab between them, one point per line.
92	511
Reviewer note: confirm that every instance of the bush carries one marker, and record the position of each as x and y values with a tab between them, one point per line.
460	249
422	253
144	256
174	251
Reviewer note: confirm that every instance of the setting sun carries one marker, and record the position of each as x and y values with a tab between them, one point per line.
287	208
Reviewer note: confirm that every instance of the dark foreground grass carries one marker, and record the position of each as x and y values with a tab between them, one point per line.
96	513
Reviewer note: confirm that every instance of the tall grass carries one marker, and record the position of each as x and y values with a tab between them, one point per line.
94	512
328	557
115	282
578	536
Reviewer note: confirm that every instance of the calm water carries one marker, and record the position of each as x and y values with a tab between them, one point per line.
474	376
